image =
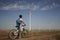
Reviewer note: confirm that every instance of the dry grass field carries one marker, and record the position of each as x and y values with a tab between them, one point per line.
35	35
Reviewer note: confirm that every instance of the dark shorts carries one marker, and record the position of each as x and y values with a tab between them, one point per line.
18	28
18	25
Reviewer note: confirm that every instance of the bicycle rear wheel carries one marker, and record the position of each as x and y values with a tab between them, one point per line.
13	34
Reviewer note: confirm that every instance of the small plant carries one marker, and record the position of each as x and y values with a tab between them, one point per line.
24	33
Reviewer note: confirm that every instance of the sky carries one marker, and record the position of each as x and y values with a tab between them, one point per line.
45	14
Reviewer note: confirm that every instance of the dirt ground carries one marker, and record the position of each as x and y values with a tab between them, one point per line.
34	35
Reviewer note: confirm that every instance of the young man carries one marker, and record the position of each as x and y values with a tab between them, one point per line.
20	24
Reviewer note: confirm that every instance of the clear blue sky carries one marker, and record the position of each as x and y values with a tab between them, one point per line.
45	13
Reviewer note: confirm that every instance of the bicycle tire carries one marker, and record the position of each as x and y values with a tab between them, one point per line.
11	34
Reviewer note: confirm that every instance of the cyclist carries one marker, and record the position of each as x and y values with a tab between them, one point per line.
20	24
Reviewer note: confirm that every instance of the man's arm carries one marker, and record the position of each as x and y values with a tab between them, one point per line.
23	23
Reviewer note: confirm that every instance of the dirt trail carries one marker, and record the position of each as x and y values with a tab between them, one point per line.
34	36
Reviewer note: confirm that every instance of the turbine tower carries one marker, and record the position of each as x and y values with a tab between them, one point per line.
30	20
30	14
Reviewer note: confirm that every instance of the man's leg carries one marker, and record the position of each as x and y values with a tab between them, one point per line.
19	33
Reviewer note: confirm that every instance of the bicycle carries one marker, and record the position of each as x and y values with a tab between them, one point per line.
13	34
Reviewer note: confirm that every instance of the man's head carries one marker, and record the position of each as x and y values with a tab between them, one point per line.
20	16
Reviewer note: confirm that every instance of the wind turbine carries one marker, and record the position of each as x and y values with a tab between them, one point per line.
30	14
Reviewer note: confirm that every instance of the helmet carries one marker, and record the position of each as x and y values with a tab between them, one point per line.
20	16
